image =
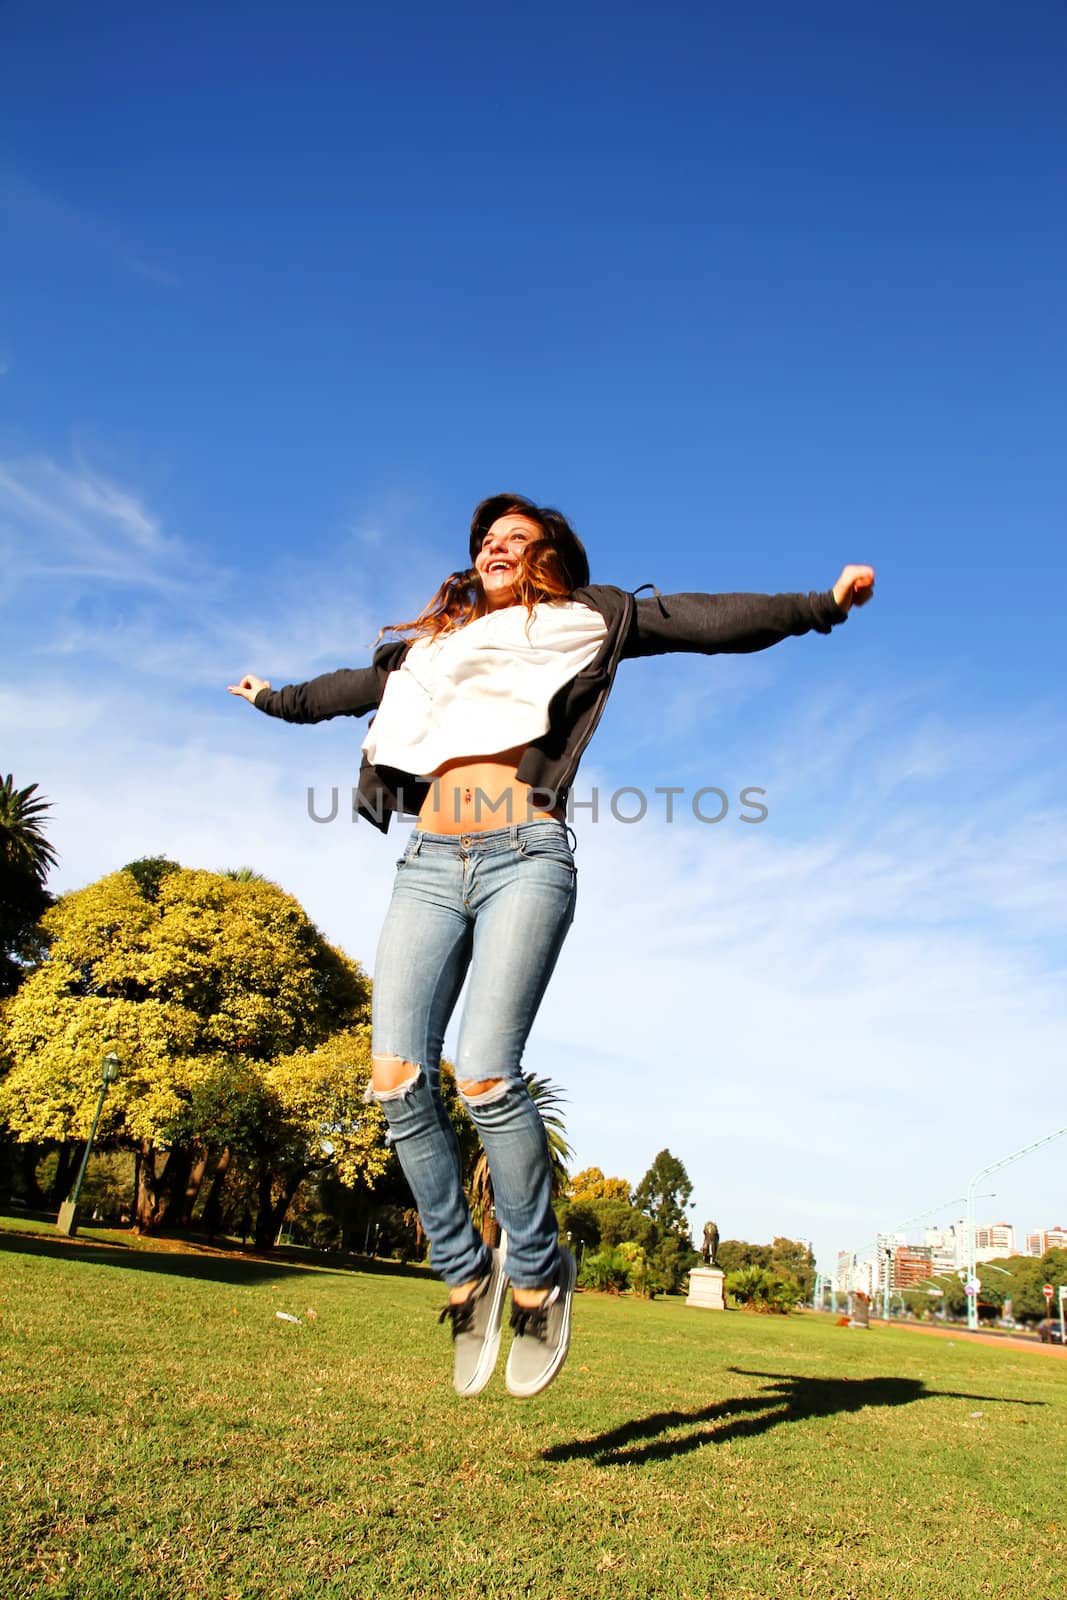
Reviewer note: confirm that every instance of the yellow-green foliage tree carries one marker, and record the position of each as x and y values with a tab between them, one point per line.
239	1028
591	1184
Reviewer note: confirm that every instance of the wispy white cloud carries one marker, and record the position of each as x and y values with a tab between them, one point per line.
30	210
57	523
90	560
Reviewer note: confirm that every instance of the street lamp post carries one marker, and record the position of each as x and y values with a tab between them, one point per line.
68	1212
887	1262
887	1282
972	1262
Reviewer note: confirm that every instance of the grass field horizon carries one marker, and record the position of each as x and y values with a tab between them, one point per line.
166	1433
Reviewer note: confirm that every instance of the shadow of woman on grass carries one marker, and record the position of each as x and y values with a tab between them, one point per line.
786	1397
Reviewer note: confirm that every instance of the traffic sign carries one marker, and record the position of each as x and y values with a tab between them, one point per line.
973	1285
1047	1291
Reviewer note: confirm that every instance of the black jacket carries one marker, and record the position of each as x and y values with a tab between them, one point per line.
704	624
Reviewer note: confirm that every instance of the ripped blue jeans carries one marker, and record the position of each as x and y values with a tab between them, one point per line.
496	907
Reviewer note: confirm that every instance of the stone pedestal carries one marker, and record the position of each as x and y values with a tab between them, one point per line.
705	1288
67	1221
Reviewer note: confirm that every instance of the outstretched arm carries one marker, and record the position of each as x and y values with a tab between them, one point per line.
714	624
349	692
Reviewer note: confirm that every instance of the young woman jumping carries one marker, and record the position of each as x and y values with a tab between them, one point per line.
484	705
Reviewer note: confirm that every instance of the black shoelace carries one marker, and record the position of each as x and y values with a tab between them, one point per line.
462	1314
462	1311
530	1322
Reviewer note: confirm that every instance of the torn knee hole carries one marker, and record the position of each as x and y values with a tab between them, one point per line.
389	1074
480	1087
483	1091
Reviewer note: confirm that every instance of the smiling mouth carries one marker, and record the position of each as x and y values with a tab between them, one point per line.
497	567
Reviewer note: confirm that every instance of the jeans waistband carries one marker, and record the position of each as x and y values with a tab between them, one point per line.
488	840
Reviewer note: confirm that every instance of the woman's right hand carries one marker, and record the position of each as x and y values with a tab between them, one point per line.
249	687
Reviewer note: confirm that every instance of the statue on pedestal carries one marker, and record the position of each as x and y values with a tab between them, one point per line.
706	1282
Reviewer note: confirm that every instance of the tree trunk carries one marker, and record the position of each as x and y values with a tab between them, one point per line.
150	1198
212	1213
194	1184
64	1175
24	1161
271	1215
176	1182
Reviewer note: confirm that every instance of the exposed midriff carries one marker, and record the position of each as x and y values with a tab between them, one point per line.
475	794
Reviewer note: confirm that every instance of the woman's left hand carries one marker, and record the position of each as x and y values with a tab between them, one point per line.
855	586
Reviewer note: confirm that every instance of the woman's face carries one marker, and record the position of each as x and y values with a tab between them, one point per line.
497	562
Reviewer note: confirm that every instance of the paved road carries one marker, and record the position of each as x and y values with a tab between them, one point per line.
1008	1339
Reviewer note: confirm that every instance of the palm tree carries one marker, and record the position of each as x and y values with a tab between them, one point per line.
548	1100
25	859
23	847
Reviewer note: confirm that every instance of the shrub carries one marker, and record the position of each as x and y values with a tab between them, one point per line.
607	1270
759	1290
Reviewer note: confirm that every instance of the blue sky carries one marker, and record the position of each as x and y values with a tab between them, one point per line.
749	294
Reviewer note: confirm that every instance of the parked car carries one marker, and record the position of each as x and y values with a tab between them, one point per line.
1049	1331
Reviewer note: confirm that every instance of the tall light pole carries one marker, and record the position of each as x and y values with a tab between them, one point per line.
887	1263
972	1262
68	1212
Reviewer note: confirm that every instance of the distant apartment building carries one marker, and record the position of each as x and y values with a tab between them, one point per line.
997	1239
854	1276
912	1265
1046	1239
864	1278
846	1262
947	1248
886	1245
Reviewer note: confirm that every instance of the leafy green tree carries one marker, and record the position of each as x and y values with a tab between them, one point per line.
302	1116
670	1263
1024	1282
733	1254
208	978
591	1184
954	1300
148	873
791	1260
580	1221
619	1223
1054	1266
663	1194
640	1274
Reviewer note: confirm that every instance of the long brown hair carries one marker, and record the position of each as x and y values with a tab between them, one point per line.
550	568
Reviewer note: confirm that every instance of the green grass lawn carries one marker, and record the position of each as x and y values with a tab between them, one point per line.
164	1433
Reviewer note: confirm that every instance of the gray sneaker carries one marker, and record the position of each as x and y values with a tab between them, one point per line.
476	1329
542	1334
